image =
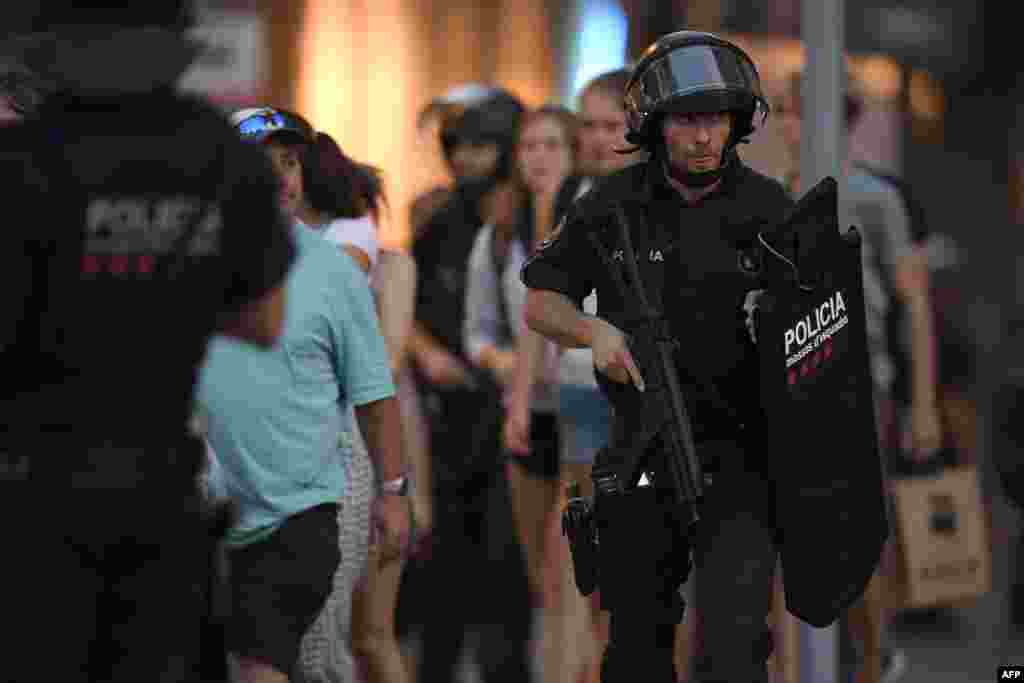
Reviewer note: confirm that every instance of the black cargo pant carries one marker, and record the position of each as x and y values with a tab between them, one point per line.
645	548
112	555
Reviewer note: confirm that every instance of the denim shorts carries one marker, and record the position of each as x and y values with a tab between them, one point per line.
585	415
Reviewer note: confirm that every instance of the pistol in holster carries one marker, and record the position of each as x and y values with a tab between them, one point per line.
579	524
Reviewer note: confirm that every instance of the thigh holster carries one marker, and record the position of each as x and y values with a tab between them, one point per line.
643	553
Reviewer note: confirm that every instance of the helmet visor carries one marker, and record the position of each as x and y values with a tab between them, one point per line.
692	71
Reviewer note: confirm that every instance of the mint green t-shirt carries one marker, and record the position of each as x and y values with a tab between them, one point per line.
278	420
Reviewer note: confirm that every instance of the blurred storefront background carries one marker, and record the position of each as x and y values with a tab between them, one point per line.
940	79
362	69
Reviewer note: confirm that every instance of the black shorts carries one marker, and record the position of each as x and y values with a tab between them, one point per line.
545	448
280	584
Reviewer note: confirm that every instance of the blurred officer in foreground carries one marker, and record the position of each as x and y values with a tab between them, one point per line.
692	214
152	226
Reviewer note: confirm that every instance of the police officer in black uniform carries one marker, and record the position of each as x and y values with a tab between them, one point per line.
144	225
693	212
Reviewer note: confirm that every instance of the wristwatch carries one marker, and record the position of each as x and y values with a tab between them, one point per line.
399	486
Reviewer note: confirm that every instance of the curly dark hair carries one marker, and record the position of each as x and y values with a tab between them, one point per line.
338	185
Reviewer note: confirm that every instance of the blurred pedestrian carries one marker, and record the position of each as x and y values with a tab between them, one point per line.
546	158
494	329
473	547
584	412
444	112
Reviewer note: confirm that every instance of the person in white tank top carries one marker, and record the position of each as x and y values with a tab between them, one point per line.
342	203
583	411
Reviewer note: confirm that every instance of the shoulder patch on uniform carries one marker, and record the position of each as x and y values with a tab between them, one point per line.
749	262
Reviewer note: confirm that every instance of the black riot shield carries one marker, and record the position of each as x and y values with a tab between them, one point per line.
817	394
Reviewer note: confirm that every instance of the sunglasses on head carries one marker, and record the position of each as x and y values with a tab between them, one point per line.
265	122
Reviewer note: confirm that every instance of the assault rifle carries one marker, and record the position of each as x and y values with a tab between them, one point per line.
652	345
660	412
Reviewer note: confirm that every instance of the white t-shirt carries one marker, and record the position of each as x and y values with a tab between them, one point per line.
356	232
484	293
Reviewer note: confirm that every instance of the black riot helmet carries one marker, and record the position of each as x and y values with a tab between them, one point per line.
693	72
477	113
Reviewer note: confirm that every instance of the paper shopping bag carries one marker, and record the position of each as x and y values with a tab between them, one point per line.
944	553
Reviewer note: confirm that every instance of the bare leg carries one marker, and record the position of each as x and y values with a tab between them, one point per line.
568	638
579	472
599	621
250	670
865	620
533	503
373	620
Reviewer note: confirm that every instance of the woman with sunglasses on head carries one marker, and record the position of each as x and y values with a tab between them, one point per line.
284	452
342	199
327	193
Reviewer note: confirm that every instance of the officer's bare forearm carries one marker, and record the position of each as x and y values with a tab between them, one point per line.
557	318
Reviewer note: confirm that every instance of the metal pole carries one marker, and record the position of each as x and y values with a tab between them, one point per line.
568	28
821	149
821	146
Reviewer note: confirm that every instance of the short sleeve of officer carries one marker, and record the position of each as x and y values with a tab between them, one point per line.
563	262
257	243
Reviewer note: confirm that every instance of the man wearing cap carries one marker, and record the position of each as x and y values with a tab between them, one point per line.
153	226
278	425
693	212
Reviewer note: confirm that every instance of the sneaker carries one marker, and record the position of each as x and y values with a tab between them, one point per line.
894	665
